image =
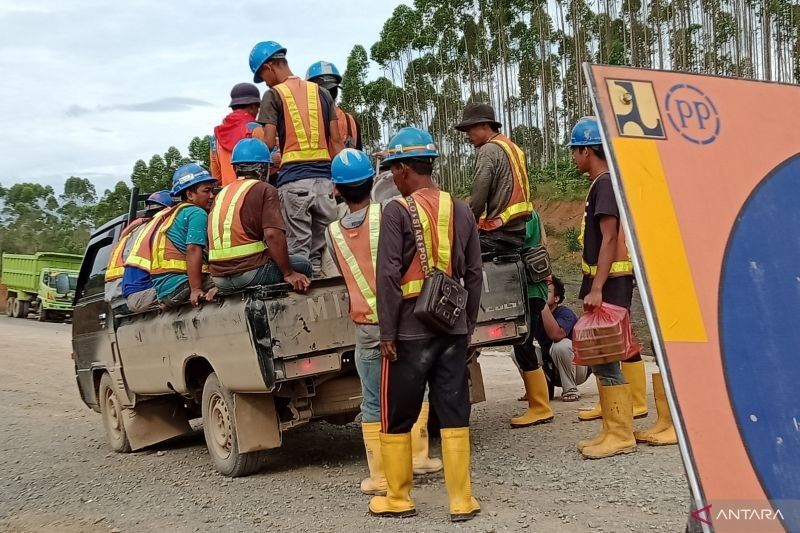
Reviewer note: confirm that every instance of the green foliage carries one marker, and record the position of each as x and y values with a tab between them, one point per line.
200	150
571	239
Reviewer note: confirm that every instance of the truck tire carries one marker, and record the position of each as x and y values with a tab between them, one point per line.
42	314
10	306
111	410
219	428
21	308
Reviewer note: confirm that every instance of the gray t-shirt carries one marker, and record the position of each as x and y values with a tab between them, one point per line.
367	335
493	185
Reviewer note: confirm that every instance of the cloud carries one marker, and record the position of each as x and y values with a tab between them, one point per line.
161	105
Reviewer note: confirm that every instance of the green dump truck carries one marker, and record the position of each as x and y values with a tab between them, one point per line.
42	283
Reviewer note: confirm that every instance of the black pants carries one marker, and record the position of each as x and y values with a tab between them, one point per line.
525	353
441	362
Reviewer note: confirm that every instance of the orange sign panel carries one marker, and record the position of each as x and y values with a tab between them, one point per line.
707	173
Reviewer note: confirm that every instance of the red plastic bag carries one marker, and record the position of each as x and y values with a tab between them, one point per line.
603	336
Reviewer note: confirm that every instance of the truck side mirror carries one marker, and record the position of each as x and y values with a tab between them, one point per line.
62	283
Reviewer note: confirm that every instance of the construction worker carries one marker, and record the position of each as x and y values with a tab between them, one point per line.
172	248
256	131
607	277
413	353
500	194
354	242
302	116
536	391
247	244
327	76
130	292
245	101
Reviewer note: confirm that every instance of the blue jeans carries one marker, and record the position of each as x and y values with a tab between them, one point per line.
609	374
266	274
368	366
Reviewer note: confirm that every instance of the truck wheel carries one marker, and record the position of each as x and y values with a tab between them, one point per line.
42	314
219	428
21	308
111	410
10	306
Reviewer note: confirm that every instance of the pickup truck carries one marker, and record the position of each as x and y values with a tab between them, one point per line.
251	365
42	283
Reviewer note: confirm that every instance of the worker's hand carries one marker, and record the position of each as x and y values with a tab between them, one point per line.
195	296
389	350
380	154
276	159
593	300
298	281
211	295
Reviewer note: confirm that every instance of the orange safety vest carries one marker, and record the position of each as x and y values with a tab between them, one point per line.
153	251
227	238
303	122
622	265
436	213
116	263
357	254
519	204
348	129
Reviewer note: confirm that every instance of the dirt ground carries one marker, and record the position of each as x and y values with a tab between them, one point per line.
57	474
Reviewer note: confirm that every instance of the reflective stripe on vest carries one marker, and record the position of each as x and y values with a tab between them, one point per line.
116	263
226	236
303	122
519	203
622	265
438	237
357	253
140	256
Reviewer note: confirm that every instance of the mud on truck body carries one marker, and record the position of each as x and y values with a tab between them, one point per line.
251	365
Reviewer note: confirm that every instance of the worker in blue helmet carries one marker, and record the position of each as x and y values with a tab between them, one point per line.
413	349
607	278
353	241
326	75
129	289
173	248
247	240
300	116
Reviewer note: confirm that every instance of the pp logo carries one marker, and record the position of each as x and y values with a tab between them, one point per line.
635	109
692	114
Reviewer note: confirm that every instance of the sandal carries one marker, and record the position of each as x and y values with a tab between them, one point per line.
570	397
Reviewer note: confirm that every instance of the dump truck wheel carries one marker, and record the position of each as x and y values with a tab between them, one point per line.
21	308
219	428
10	306
111	410
42	314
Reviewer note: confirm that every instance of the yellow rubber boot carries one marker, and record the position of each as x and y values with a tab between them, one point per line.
594	440
422	464
539	411
595	412
375	484
637	378
396	453
456	456
662	433
618	416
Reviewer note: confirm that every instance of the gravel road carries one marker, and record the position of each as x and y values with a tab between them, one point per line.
57	474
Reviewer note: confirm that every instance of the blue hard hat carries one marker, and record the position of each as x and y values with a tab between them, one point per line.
586	133
250	151
324	73
162	198
188	176
408	143
261	53
351	166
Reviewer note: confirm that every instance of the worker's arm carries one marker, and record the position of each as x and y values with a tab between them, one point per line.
609	227
279	252
335	142
552	328
268	115
481	183
213	158
389	272
194	268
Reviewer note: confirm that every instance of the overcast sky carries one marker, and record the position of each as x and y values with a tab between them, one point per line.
87	87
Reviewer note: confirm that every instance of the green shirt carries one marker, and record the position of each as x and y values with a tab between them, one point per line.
533	237
189	227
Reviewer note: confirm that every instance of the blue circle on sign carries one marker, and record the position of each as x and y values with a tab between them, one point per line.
759	302
692	114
